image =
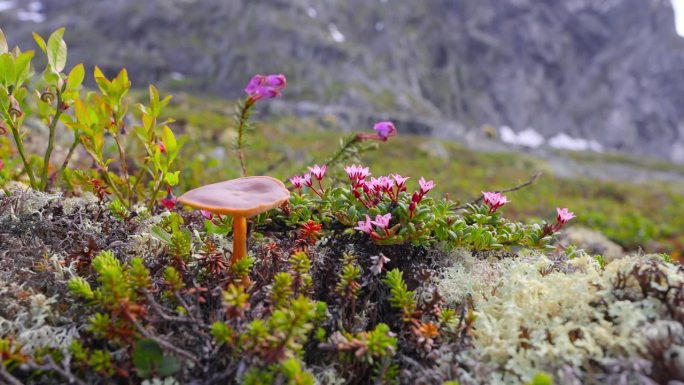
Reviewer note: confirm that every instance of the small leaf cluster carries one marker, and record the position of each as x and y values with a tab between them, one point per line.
117	296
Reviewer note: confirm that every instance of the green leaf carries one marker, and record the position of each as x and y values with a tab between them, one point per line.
102	82
6	69
41	43
3	43
172	178
169	140
161	235
147	356
57	50
22	66
75	77
168	366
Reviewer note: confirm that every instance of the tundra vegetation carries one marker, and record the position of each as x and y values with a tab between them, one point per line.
357	277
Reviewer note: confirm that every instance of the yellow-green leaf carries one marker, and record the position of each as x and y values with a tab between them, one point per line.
3	43
41	43
7	73
57	50
22	66
75	77
169	140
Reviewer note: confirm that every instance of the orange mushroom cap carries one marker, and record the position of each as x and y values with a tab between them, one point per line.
241	197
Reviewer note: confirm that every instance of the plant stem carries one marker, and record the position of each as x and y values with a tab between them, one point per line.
153	198
242	125
22	153
124	166
140	174
51	142
115	189
65	163
346	146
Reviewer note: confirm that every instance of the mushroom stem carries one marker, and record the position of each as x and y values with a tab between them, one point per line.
239	239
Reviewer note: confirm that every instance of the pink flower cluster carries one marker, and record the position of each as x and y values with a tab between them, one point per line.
318	172
494	200
265	86
370	192
382	222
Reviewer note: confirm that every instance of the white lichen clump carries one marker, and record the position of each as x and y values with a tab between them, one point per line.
531	317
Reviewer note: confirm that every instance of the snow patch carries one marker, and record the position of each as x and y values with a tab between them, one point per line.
311	11
32	13
566	142
335	33
6	5
527	138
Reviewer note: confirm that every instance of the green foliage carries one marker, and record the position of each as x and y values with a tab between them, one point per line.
99	360
222	333
95	119
177	239
173	278
281	289
118	295
149	359
541	379
348	285
400	297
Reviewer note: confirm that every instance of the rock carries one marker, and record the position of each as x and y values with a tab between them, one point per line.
611	72
592	242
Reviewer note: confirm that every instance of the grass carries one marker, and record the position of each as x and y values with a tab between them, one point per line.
634	215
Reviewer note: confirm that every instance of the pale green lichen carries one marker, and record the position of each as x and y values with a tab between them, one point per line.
531	317
31	321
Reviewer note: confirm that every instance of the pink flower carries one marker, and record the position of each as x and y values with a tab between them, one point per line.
170	200
385	130
365	226
276	81
564	215
386	183
265	86
400	181
382	221
494	200
306	179
162	148
1	164
425	186
297	181
356	172
207	214
318	171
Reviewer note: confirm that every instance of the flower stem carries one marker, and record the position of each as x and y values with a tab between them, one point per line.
243	121
338	156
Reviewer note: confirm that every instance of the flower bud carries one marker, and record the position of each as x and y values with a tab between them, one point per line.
47	96
14	110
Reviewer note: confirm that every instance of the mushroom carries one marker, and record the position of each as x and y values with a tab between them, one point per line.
240	198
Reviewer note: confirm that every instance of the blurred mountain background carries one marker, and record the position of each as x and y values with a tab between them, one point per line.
578	74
